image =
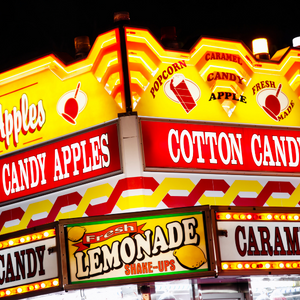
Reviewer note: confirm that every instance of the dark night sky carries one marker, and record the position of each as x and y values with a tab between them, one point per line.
31	29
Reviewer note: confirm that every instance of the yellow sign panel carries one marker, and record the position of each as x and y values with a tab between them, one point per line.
216	81
46	99
137	247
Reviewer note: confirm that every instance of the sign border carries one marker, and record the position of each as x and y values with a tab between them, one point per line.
73	184
209	171
246	209
53	225
110	282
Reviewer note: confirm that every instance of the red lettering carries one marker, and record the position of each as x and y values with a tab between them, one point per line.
133	269
172	265
150	267
238	230
127	270
175	66
139	269
252	243
265	240
292	243
278	243
166	263
152	92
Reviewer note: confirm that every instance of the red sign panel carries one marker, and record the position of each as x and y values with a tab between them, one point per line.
81	157
210	147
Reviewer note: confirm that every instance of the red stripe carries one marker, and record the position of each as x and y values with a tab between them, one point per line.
22	88
201	187
266	192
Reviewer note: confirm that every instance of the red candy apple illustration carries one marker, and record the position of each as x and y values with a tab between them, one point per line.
71	104
273	101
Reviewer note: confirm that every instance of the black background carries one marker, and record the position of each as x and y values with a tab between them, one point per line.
31	29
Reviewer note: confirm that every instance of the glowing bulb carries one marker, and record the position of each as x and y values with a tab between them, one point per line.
249	217
267	266
242	217
296	41
247	266
260	46
281	265
269	217
10	243
55	282
22	240
46	234
43	285
7	292
19	290
239	266
225	266
296	217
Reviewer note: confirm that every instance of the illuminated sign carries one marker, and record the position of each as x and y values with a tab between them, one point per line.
29	263
46	99
189	146
259	240
160	244
71	160
243	90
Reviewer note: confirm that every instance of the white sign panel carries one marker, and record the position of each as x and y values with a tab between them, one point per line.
28	263
251	241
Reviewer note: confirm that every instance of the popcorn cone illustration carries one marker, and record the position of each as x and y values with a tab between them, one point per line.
179	87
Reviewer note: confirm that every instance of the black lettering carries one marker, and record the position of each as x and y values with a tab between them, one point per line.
212	97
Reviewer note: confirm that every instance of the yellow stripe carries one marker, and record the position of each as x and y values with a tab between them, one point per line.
32	209
237	187
91	193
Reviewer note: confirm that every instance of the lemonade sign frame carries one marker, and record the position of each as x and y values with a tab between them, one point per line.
153	245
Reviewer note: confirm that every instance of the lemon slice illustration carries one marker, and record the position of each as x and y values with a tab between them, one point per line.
190	257
76	233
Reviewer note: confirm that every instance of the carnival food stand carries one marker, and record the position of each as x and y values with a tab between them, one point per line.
155	166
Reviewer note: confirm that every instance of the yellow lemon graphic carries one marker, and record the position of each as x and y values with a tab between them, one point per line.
190	257
76	233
